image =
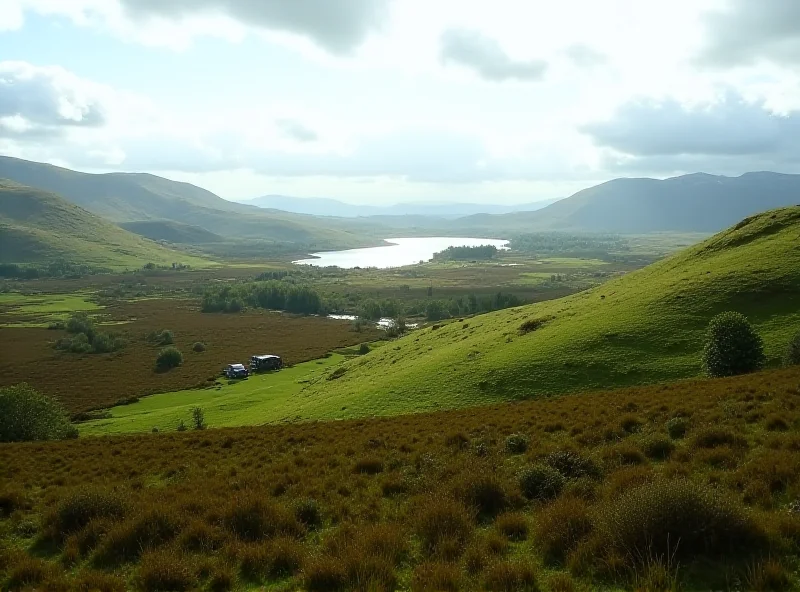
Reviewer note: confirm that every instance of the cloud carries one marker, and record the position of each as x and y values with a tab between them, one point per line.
484	55
584	56
728	127
295	130
38	102
749	31
338	26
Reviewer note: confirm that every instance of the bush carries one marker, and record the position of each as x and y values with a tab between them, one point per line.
324	574
198	418
484	492
513	526
251	518
442	520
308	513
27	415
363	349
677	427
77	510
792	357
517	443
130	539
170	357
732	346
436	577
199	347
573	465
677	518
657	447
163	337
165	572
540	482
511	576
561	526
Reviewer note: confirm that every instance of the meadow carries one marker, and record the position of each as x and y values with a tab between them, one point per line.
687	486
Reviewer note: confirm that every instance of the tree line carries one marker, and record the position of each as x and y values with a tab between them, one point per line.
464	253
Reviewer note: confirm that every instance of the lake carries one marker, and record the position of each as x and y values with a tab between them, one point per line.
401	251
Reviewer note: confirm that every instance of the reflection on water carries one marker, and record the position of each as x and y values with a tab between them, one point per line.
401	251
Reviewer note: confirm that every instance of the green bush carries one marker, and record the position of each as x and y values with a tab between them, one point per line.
168	358
732	346
540	482
26	415
573	465
793	352
199	347
677	427
198	418
363	349
517	443
163	337
86	339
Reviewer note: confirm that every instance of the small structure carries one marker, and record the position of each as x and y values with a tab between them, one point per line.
234	371
265	363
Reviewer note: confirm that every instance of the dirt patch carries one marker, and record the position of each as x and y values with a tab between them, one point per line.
92	380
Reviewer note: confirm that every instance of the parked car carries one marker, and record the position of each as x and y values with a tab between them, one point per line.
265	363
234	371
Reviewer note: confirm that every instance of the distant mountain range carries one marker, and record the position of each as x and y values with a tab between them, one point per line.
321	206
690	203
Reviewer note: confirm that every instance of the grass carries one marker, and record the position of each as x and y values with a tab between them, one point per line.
644	327
424	502
260	399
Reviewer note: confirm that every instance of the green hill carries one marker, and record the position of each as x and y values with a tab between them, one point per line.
689	203
644	327
38	227
137	197
173	232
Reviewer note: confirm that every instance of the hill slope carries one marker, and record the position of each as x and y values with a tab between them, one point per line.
641	328
37	227
136	197
690	203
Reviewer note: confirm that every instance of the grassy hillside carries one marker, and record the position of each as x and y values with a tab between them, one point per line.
641	328
38	227
135	197
689	203
173	232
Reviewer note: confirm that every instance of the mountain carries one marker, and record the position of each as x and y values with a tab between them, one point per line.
330	207
137	197
38	227
689	203
172	232
643	327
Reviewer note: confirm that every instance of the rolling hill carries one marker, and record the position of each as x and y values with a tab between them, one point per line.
689	203
644	327
137	197
38	227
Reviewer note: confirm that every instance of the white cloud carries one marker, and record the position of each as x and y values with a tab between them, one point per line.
484	55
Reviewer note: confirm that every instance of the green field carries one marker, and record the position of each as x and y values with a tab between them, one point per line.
261	398
641	328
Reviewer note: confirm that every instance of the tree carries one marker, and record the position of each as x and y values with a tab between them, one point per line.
198	418
27	415
793	352
732	346
169	358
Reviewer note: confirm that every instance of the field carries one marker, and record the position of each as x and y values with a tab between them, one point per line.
89	381
688	486
644	327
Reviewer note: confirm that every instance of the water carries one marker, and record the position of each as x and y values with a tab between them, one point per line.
401	251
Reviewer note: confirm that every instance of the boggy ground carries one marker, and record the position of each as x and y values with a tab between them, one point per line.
88	381
692	485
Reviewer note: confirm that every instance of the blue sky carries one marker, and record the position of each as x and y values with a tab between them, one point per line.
380	101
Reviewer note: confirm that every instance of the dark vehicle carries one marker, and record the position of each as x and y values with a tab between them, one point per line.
265	363
234	371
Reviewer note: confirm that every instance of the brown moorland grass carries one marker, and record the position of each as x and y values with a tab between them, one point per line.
90	381
287	507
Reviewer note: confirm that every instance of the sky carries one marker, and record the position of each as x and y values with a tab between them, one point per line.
386	101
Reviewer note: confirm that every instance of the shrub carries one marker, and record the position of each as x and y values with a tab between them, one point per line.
792	357
517	443
676	518
98	581
677	427
484	492
369	466
308	513
201	537
198	418
436	577
443	520
363	349
199	347
27	415
324	574
168	358
83	506
165	572
768	575
250	518
222	578
10	501
573	465
512	525
561	526
163	337
511	576
713	437
540	482
127	541
27	573
81	323
732	346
